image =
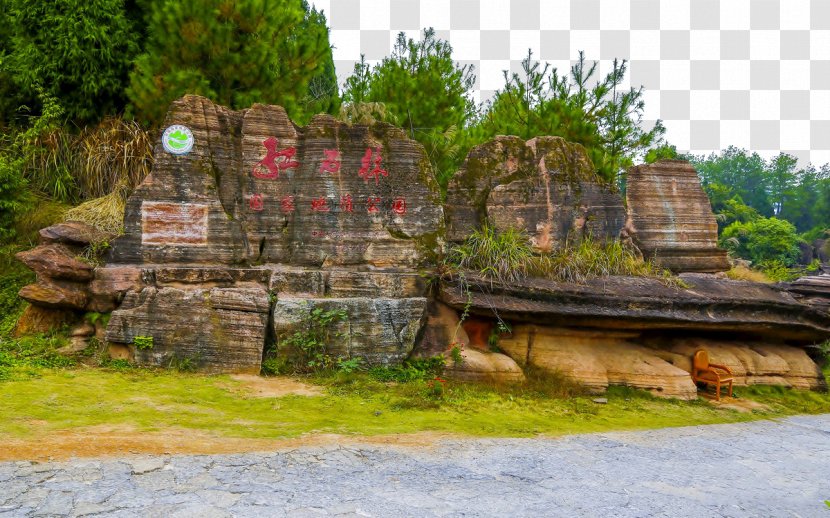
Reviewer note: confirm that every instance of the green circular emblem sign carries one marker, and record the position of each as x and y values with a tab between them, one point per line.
177	139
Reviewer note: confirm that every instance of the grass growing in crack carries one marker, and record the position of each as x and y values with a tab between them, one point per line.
507	256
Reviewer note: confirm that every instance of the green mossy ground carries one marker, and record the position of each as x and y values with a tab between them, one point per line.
58	400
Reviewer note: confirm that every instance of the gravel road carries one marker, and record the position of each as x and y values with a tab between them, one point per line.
768	468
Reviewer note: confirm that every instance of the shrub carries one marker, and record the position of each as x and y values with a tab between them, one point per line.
237	54
308	343
763	240
78	51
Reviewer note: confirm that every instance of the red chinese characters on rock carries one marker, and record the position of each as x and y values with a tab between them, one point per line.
331	162
346	204
287	204
399	206
373	204
370	166
255	202
319	204
269	168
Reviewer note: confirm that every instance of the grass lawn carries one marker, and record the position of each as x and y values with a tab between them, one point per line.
57	400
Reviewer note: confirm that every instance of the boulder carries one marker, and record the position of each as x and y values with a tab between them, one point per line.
380	330
56	262
110	284
545	186
213	330
73	233
56	294
443	329
670	219
597	359
257	189
36	319
484	367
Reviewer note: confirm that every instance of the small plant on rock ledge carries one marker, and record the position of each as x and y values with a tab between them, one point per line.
143	342
308	342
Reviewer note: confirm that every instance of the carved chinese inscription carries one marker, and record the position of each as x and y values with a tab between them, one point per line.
164	223
269	167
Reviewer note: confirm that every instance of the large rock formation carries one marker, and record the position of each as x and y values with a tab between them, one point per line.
264	210
545	186
670	218
264	226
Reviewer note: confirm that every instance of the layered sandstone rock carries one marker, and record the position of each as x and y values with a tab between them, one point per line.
257	189
751	362
63	277
379	330
485	367
813	290
706	304
670	219
597	359
545	186
214	330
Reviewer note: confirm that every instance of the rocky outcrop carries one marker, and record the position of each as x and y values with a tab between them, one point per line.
751	362
63	277
213	330
256	189
379	330
670	219
545	186
813	290
706	304
597	359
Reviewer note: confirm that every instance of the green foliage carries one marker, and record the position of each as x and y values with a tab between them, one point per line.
455	355
309	341
508	257
77	51
13	276
413	369
143	342
348	366
777	271
425	92
237	54
762	241
595	113
663	151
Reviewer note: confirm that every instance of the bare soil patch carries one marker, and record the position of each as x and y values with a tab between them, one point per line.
259	386
121	441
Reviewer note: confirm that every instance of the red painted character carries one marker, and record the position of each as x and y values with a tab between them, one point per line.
270	161
346	203
372	204
319	204
255	202
366	163
399	206
287	204
331	162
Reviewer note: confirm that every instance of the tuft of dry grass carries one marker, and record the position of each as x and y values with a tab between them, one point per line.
105	213
742	273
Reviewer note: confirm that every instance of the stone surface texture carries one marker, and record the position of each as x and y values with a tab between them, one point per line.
670	219
773	467
215	330
258	189
484	367
546	186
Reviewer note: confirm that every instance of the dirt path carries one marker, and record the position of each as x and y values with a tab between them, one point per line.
765	468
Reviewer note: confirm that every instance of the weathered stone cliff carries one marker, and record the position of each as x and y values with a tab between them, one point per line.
670	219
545	186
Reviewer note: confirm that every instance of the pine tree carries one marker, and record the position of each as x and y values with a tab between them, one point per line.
77	51
236	53
425	92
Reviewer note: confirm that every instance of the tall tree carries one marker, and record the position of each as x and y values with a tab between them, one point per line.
236	53
598	114
425	92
